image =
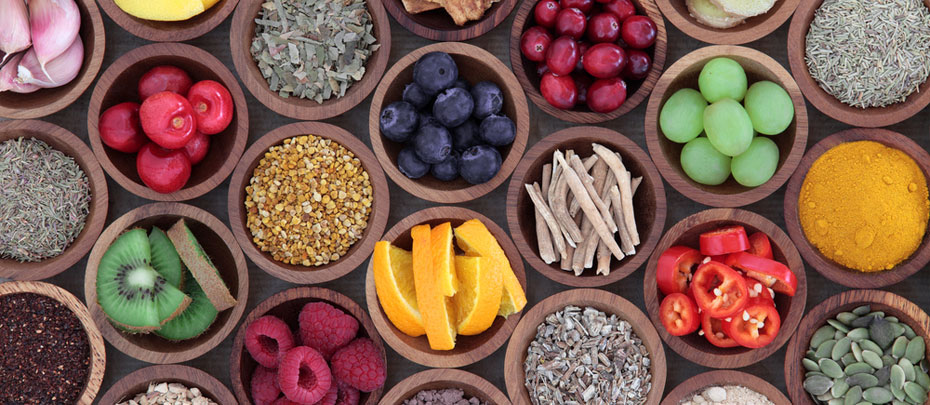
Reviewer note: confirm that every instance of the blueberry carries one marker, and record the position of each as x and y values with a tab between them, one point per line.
462	84
448	170
425	118
433	143
488	99
415	95
398	121
497	130
479	164
435	72
465	136
410	165
453	106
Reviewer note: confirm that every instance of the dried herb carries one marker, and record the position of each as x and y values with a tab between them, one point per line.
869	53
44	200
314	49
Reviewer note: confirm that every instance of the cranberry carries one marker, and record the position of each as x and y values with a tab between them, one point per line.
163	170
638	32
606	95
638	65
541	69
584	5
583	47
535	43
571	22
582	82
120	128
563	55
559	91
197	148
622	8
164	78
545	12
604	27
604	61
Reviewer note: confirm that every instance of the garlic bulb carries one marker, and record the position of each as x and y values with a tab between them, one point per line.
57	72
8	80
14	37
54	25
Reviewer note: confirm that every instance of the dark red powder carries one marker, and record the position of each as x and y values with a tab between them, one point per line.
44	352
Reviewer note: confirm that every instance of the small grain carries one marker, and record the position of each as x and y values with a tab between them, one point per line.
446	396
726	395
165	393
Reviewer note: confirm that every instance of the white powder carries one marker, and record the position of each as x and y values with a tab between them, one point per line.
727	395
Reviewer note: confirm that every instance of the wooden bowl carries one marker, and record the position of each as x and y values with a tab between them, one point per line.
667	154
754	28
581	114
138	382
893	305
826	267
217	242
442	378
790	309
63	140
437	25
287	305
357	254
170	31
829	105
468	349
118	85
240	39
582	297
48	101
475	65
649	202
98	353
718	378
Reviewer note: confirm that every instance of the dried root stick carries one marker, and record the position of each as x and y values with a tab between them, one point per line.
588	183
559	205
625	240
570	251
635	183
578	259
623	180
550	227
590	211
603	258
599	172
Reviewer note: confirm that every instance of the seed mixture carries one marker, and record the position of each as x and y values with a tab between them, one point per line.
308	201
446	396
727	395
169	394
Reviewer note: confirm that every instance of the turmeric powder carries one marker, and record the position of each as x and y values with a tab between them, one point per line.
864	205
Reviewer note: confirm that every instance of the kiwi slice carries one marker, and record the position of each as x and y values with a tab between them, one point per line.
195	320
131	293
201	266
165	259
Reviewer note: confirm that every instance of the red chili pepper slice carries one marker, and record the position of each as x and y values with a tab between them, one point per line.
724	240
679	314
674	269
719	290
771	273
756	325
760	245
714	333
757	289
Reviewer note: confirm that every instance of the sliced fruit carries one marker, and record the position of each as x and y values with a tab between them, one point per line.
709	14
475	239
209	3
443	259
201	266
393	270
745	8
165	259
162	10
479	297
195	320
438	313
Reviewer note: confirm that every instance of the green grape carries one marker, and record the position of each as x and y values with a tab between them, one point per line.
703	163
682	116
757	165
728	127
722	78
769	107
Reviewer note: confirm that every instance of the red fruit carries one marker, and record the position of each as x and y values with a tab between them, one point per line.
584	5
360	364
604	61
563	55
559	91
267	338
582	82
197	148
583	47
606	95
163	170
541	69
545	12
571	22
622	8
213	106
285	401
304	376
638	64
168	120
326	328
264	386
639	32
534	43
348	395
604	27
331	396
120	129
164	78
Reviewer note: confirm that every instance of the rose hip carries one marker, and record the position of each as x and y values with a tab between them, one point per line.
583	5
213	106
604	61
638	65
639	32
164	78
604	27
120	129
622	8
606	95
583	47
563	55
559	91
545	12
163	170
168	119
534	43
571	22
197	148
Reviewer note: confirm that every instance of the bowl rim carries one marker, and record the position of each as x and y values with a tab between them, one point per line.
115	337
522	121
377	220
826	267
455	378
725	377
169	373
472	29
617	141
770	21
687	186
242	28
183	51
98	208
141	30
589	117
431	359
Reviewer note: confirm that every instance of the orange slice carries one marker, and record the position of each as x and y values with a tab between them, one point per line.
436	309
393	268
443	263
479	296
475	239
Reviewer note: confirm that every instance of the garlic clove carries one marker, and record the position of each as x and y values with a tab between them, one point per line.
58	72
14	37
54	25
8	80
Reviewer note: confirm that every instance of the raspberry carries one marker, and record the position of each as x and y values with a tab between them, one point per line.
326	328
264	386
303	375
331	396
267	338
360	365
285	401
348	395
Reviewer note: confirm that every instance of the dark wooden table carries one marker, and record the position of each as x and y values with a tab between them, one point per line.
355	121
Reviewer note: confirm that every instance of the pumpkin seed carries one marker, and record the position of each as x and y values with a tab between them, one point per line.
838	325
896	402
909	332
838	335
915	350
862	310
841	348
872	358
863	380
908	367
858	334
899	347
825	397
810	373
883	374
898	393
892	319
887	360
835	401
825	349
817	385
830	368
881	332
848	359
877	395
858	368
863	322
876	314
856	350
915	392
867	344
811	354
853	395
923	379
846	317
924	365
823	334
810	365
897	328
897	376
839	387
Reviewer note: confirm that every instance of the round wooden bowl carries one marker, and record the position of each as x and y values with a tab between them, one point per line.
649	202
442	378
170	31
582	297
98	353
475	65
138	382
63	140
217	242
790	309
667	154
357	254
581	114
829	105
891	304
468	349
48	101
118	85
754	28
240	39
719	378
287	305
437	25
826	267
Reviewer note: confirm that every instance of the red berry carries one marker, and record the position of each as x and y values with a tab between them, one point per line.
545	12
583	47
534	43
563	55
304	376
604	27
264	386
348	395
163	170
213	106
571	22
361	365
639	32
326	328
267	338
559	91
168	119
331	396
120	128
164	78
285	401
622	8
582	82
604	61
197	148
638	66
584	5
606	95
